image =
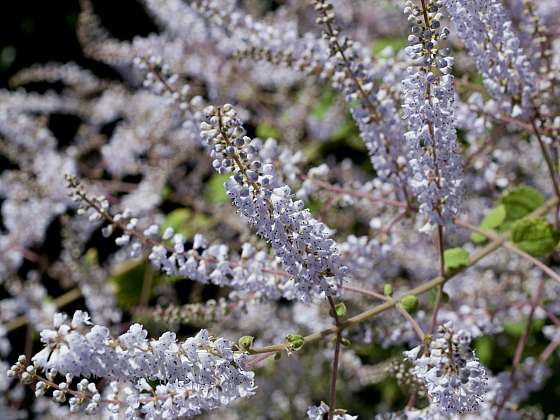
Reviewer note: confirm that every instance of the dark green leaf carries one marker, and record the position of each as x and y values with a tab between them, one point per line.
455	259
520	201
295	341
536	237
388	289
409	303
245	342
215	190
340	310
491	221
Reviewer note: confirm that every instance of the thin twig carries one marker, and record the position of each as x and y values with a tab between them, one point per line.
439	295
510	246
414	324
423	288
522	342
334	373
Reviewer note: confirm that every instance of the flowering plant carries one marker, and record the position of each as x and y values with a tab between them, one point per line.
294	211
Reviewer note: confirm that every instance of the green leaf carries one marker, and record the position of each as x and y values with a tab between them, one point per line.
491	221
484	349
215	190
340	310
455	259
536	237
186	222
177	219
433	296
516	328
295	341
324	103
128	279
91	257
314	206
513	205
166	192
519	202
388	289
245	342
265	130
409	303
396	43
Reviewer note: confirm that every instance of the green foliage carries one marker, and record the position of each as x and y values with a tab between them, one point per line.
409	303
177	219
265	131
348	133
314	206
187	222
295	342
215	190
128	280
433	296
388	289
90	258
245	342
519	202
512	206
345	342
340	309
484	348
536	237
491	221
396	43
165	192
516	328
455	259
324	103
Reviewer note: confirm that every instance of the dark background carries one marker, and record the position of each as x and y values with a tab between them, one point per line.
42	31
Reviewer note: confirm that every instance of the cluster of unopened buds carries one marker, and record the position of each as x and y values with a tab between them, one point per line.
85	398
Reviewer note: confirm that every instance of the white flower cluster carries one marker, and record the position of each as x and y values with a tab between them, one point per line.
376	115
301	242
252	271
429	97
200	373
489	35
456	381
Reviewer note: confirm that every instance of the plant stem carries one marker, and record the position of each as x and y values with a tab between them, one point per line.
510	246
423	288
439	295
550	165
549	350
146	286
537	296
525	336
334	373
415	326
